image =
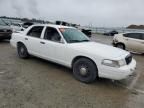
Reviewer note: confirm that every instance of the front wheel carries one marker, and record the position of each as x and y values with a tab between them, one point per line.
22	51
85	70
121	46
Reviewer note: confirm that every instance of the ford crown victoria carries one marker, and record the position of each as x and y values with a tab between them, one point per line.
70	47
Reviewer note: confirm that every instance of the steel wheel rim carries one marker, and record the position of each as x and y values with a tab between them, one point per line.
83	71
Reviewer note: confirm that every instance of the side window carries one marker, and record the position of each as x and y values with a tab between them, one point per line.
125	35
52	34
134	35
143	36
35	31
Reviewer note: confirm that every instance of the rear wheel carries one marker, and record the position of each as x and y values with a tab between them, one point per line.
85	70
121	46
22	51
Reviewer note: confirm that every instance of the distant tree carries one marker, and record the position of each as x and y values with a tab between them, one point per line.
135	26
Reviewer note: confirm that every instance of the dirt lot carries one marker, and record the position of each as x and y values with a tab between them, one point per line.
36	83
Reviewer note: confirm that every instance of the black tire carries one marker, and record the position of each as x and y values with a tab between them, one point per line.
121	46
87	76
22	51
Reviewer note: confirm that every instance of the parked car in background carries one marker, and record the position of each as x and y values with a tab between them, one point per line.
130	41
5	31
27	24
17	27
87	32
72	48
111	33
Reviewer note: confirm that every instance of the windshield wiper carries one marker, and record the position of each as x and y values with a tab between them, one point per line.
75	41
84	40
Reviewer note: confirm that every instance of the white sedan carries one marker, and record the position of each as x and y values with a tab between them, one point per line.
130	41
70	47
17	27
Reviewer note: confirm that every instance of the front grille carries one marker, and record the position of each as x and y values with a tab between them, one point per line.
5	31
1	30
9	31
128	59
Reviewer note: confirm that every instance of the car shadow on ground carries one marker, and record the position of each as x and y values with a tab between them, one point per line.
136	53
50	64
99	81
4	41
68	72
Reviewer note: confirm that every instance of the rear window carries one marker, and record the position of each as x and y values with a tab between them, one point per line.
2	23
36	31
125	35
134	35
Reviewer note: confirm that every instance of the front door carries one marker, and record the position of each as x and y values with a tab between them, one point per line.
53	49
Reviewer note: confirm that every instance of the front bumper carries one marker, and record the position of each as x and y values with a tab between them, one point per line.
5	35
113	44
118	73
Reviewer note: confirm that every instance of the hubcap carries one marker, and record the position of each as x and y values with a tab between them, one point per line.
120	46
83	71
22	50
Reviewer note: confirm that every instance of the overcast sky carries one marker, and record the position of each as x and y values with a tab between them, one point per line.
103	13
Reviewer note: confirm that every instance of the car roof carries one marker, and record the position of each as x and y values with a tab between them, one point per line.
53	25
132	32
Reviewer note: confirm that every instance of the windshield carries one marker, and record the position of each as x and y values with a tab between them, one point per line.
2	23
73	35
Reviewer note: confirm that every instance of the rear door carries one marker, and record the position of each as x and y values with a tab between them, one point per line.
142	43
33	40
134	41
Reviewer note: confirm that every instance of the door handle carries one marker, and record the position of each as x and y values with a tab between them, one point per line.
42	42
26	38
142	42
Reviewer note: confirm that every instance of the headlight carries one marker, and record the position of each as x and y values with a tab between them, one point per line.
115	40
114	63
122	62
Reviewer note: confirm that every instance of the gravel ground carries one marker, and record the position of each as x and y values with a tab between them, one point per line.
36	83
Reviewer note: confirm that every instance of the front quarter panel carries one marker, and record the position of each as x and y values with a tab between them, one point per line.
119	39
72	53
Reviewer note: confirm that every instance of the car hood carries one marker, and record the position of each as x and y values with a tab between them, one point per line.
5	27
101	50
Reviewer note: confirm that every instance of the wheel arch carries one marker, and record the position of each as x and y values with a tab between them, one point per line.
78	57
20	42
122	44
